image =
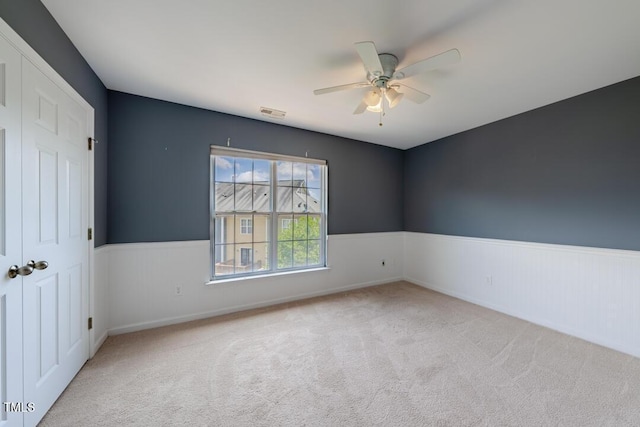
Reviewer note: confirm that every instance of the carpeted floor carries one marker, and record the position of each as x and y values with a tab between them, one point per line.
391	355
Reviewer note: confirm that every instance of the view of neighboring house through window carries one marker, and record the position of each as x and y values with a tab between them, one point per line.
268	213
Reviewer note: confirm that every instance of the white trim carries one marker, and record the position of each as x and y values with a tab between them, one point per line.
262	276
366	235
220	151
542	246
95	346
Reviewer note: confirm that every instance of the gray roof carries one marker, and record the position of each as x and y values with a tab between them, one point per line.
293	196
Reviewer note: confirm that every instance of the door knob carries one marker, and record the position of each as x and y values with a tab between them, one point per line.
40	265
15	271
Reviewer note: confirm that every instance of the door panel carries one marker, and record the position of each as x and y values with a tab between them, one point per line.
46	331
47	196
10	234
55	214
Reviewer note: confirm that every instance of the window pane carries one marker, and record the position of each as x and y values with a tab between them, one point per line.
261	228
285	227
313	226
314	200
300	253
224	229
300	227
299	199
261	256
313	176
224	260
244	258
224	197
285	254
285	199
261	198
246	255
314	252
223	169
244	228
244	170
262	172
299	174
284	172
244	197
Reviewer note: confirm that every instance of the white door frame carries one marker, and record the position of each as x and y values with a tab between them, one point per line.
29	53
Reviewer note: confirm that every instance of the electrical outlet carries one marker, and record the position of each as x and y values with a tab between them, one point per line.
179	290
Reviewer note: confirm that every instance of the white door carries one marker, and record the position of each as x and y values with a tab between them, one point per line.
10	237
55	224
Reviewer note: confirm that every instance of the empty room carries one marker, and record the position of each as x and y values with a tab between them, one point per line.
292	213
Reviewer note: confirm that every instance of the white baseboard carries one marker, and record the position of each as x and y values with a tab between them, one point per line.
95	346
589	293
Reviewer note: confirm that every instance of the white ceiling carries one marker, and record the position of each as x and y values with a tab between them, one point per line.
236	56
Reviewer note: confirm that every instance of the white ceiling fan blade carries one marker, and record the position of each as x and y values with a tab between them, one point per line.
361	108
341	87
414	94
438	61
369	56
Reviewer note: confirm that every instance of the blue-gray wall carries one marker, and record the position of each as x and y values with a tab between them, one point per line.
33	22
566	173
159	170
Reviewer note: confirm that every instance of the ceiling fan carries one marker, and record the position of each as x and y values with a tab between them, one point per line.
382	77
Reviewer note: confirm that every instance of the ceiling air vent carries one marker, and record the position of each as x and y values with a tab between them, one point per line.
272	112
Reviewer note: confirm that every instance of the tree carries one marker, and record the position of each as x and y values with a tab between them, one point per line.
298	240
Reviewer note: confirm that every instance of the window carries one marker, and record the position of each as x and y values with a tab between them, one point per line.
268	213
285	223
246	226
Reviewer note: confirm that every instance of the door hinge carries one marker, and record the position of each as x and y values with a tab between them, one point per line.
90	143
90	323
90	233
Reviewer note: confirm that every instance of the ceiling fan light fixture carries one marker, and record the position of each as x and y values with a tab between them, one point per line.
375	108
372	98
382	75
393	96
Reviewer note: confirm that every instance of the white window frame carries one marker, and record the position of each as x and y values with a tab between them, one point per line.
216	151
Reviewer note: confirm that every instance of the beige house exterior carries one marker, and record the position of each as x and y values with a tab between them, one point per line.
242	239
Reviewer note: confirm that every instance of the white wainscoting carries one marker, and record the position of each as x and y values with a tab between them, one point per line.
590	293
142	278
100	298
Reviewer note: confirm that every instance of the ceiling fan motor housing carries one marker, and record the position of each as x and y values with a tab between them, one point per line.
389	63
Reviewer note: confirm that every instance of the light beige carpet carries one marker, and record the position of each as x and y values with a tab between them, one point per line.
391	355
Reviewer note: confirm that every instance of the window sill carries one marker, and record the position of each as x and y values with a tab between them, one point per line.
265	276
